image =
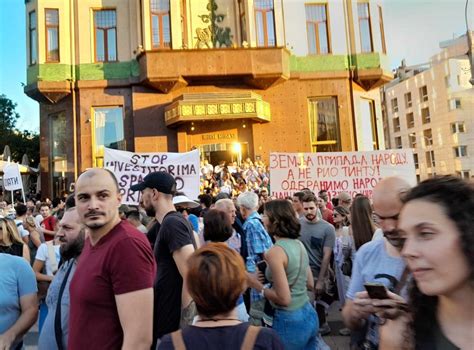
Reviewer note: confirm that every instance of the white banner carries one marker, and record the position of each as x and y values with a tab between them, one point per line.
353	172
130	168
12	177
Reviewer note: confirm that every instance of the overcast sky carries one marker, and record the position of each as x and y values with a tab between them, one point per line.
413	30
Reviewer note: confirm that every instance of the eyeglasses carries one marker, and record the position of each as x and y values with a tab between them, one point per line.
181	209
336	215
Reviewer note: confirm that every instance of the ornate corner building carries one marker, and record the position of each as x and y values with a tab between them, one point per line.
234	78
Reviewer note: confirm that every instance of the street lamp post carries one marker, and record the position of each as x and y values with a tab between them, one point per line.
430	141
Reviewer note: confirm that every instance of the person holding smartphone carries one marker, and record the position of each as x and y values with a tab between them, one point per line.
294	320
377	261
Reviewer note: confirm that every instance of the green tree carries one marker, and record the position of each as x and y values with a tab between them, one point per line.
25	142
20	142
8	118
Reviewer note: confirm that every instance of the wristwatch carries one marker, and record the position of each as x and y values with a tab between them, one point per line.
262	292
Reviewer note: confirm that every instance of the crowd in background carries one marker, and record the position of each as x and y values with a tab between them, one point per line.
233	179
235	268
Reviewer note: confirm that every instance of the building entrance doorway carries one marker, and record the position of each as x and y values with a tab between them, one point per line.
228	152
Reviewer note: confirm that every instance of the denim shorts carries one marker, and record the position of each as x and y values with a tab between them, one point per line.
298	329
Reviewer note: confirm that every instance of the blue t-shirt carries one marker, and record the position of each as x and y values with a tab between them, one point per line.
373	264
258	242
17	279
193	219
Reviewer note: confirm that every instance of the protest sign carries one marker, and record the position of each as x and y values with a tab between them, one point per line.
130	168
12	177
353	172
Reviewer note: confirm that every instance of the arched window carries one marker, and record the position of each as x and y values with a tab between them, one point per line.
265	23
160	24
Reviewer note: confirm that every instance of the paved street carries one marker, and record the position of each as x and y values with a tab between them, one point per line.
334	340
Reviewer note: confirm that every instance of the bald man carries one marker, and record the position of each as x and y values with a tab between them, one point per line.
112	289
378	261
227	206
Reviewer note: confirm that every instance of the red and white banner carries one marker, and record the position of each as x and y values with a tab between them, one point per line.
353	172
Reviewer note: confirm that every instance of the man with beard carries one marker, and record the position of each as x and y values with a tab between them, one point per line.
71	234
173	246
318	237
111	291
378	261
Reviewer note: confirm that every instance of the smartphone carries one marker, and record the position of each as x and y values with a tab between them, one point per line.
262	266
376	290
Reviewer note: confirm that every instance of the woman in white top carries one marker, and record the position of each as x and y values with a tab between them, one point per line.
47	257
343	250
45	266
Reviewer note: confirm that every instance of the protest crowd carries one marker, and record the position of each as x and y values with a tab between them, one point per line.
236	268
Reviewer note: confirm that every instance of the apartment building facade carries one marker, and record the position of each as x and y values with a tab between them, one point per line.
430	109
174	75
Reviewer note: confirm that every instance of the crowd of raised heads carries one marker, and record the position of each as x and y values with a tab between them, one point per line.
236	269
233	178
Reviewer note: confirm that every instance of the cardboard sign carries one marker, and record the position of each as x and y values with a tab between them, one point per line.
130	168
353	172
12	177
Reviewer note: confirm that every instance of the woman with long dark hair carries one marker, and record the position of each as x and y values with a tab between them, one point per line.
288	271
437	223
362	224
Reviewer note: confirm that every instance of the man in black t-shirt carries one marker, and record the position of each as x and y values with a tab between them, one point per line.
173	246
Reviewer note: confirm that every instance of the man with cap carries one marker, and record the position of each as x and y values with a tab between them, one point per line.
344	199
173	246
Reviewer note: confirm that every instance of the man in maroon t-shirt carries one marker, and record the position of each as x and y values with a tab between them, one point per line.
112	289
48	225
325	212
324	195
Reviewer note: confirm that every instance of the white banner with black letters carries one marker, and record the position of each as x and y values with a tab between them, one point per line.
12	177
130	168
